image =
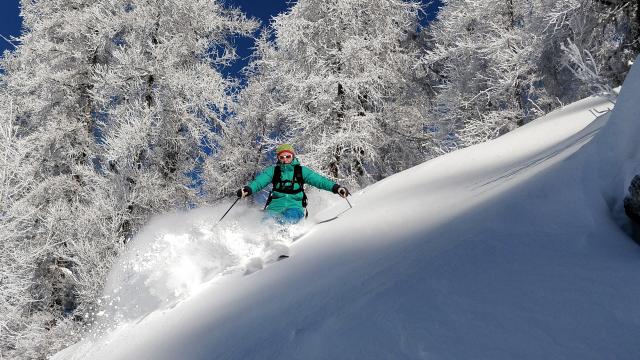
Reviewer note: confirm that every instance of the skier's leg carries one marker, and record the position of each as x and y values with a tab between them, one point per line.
292	216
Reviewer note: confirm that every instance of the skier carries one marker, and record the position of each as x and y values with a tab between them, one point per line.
287	202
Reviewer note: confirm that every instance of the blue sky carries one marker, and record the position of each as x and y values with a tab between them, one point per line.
10	22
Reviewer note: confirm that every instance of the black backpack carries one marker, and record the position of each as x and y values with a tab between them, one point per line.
286	186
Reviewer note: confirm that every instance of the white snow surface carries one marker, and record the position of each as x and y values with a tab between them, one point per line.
511	249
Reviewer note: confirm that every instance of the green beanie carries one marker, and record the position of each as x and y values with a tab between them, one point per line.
283	148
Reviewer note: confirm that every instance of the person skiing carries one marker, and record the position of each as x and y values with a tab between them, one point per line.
287	201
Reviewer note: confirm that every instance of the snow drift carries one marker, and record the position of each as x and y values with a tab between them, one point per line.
511	249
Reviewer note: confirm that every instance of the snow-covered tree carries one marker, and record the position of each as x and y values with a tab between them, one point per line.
596	38
486	59
506	62
16	260
246	142
115	99
338	80
49	79
162	97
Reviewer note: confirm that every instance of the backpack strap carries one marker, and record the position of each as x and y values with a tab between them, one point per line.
286	187
277	176
297	177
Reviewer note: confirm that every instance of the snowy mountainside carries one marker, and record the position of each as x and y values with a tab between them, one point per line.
511	249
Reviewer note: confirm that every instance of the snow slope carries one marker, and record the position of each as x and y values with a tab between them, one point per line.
511	249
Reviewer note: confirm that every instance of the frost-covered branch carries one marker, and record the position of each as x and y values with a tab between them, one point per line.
338	80
584	67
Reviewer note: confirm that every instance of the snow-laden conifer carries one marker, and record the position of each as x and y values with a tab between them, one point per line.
338	80
114	99
162	97
486	58
504	63
53	206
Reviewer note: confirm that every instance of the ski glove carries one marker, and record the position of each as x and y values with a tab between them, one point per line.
341	190
245	191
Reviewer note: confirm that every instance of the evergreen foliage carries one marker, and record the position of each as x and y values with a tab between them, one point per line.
503	63
112	111
339	80
105	104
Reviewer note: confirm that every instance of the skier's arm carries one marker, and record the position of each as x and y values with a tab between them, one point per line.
262	180
314	179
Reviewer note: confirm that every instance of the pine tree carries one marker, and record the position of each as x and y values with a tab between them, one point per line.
50	78
16	260
338	80
596	39
163	97
486	60
504	63
113	99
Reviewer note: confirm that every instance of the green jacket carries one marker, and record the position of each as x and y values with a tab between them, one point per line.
281	201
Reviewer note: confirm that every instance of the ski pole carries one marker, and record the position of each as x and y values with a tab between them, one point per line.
225	214
338	215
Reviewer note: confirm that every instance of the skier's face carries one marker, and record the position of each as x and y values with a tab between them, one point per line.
285	157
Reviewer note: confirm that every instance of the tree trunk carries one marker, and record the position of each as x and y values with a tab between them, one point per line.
510	15
636	29
151	78
334	166
87	105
